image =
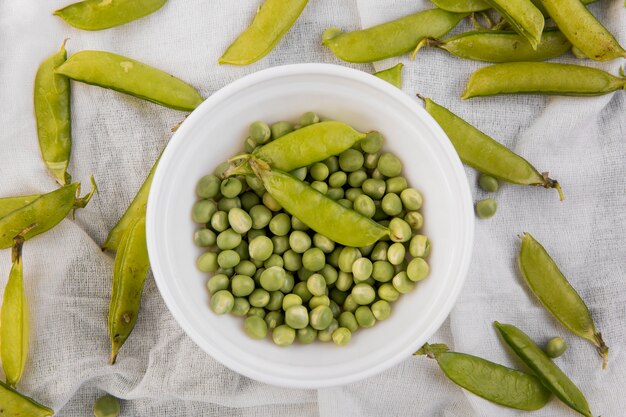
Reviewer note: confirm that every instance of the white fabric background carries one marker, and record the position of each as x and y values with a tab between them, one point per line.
582	141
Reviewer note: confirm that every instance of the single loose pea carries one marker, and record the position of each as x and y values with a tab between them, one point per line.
255	327
257	275
323	243
217	283
276	301
347	257
283	335
105	406
486	208
242	285
396	253
226	204
374	188
555	347
245	268
350	160
313	259
320	317
332	163
228	259
291	300
346	319
319	171
272	279
342	336
349	304
256	311
304	274
362	269
399	230
402	283
334	307
365	205
364	317
203	210
261	248
320	186
255	184
335	193
309	118
281	129
251	235
300	173
391	204
345	202
208	186
204	238
249	200
307	335
338	179
239	220
357	178
260	216
280	224
381	309
207	262
260	132
297	224
419	247
411	199
297	317
363	294
338	296
299	241
414	219
240	307
326	335
273	319
316	284
371	160
221	168
288	285
270	203
344	281
488	183
274	260
231	187
281	244
292	260
379	253
259	298
301	291
219	221
249	145
366	250
330	274
388	292
373	142
389	165
382	271
228	239
396	185
222	302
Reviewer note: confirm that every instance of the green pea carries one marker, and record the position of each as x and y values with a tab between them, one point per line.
222	302
381	310
217	283
226	204
366	250
363	294
231	187
300	173
488	183
292	260
256	185
207	262
204	238
364	205
208	186
261	248
239	220
319	171
391	204
379	253
297	317
323	243
283	335
297	224
352	193
414	219
346	319
272	279
362	269
270	203
373	142
309	118
105	406
228	259
256	312
257	275
374	188
349	304
240	307
249	145
396	253
330	274
326	335
486	208
335	193
299	241
364	317
320	317
338	296
347	257
396	185
313	259
273	319
274	260
316	284
332	163
381	217
337	179
253	234
350	160
276	301
242	285
221	168
555	347
260	216
333	258
229	272
402	266
290	300
259	298
219	221
389	165
260	132
382	271
307	335
320	186
399	230
255	327
345	203
411	199
371	160
402	283
203	210
280	224
281	244
228	239
300	289
281	129
419	246
288	285
245	268
342	336
388	292
344	281
356	178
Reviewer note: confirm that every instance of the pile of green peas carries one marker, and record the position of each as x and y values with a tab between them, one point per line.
282	277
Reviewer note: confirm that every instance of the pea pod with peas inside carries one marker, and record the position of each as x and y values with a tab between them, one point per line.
46	211
547	282
524	17
52	113
15	404
392	75
391	38
126	75
489	380
542	366
541	78
104	14
485	154
273	20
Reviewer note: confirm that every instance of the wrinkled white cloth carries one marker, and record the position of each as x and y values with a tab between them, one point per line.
581	141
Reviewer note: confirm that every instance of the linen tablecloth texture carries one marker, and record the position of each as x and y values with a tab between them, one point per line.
161	372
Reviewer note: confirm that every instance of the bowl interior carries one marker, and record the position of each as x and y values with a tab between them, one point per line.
216	130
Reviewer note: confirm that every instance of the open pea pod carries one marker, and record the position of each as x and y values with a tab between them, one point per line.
392	75
98	14
14	404
523	16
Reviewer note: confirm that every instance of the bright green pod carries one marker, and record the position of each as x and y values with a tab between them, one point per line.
15	404
462	6
10	204
119	73
502	46
320	213
543	10
392	75
583	30
542	366
136	209
524	17
45	212
547	282
129	275
273	20
541	78
483	153
52	113
99	14
391	38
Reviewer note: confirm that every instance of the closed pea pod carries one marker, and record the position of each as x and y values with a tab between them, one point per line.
15	404
523	16
126	75
541	78
52	113
547	282
98	14
462	6
391	38
485	154
129	275
10	204
273	20
548	373
392	75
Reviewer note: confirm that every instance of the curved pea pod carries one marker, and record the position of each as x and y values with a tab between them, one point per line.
483	153
523	16
46	211
547	282
15	404
491	381
392	75
99	14
10	204
542	366
543	10
583	30
317	211
273	20
392	38
52	113
501	46
129	275
137	208
462	6
541	78
119	73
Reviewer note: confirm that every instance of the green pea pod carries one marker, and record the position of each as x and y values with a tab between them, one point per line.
548	373
129	275
119	73
583	30
523	16
99	14
136	209
541	78
547	282
501	46
491	381
273	20
46	211
392	75
483	153
10	204
14	404
462	6
317	211
392	38
52	112
543	10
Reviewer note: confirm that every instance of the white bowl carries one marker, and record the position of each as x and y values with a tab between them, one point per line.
216	130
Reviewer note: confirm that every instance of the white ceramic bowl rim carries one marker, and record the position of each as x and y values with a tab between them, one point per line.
457	175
